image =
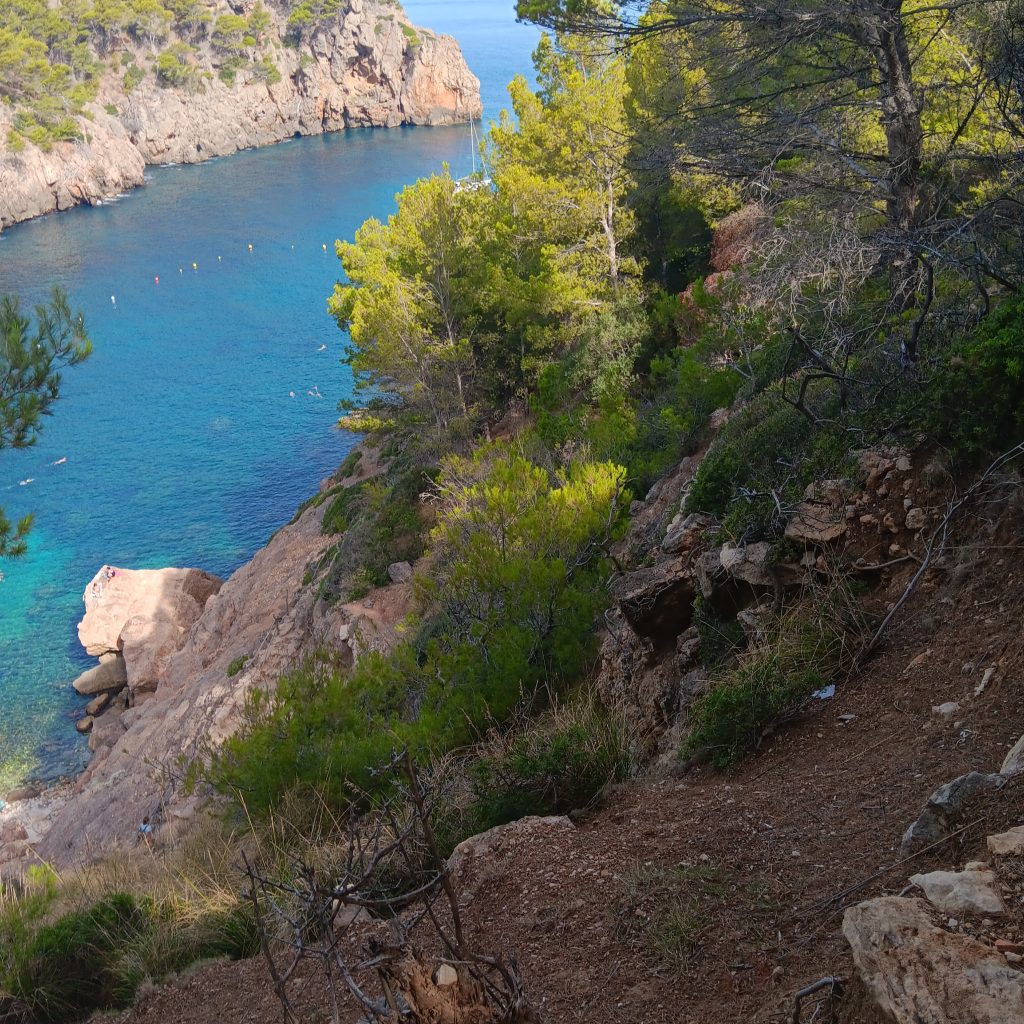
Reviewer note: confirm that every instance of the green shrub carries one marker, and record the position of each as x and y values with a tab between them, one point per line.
379	522
800	651
764	458
22	908
266	71
81	962
133	77
976	402
350	464
65	968
720	639
228	71
339	513
730	720
558	764
237	665
747	452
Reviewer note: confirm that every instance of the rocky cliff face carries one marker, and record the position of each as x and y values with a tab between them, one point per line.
261	614
179	654
366	67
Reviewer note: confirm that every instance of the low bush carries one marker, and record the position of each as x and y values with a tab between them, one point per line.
133	77
560	763
237	665
720	639
378	522
976	401
85	942
81	962
802	649
746	456
731	719
763	459
339	514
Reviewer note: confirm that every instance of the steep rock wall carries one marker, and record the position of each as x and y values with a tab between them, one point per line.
367	67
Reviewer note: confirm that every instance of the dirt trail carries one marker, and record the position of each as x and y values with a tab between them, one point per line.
758	856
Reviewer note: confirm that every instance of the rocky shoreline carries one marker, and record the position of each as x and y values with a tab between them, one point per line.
367	67
179	651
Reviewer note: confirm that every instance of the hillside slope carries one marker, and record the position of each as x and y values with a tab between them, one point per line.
714	897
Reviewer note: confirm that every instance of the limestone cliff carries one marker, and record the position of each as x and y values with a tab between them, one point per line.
196	649
366	66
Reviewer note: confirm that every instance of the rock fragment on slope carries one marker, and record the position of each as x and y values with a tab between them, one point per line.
971	891
918	973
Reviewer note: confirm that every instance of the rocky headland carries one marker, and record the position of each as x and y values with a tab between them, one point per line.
179	650
365	66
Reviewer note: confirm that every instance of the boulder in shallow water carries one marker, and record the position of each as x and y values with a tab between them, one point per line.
97	704
108	676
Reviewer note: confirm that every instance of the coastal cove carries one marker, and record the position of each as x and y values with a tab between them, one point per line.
183	441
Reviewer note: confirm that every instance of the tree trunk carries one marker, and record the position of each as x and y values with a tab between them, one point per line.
901	120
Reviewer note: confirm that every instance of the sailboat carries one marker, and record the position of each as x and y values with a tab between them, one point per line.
479	178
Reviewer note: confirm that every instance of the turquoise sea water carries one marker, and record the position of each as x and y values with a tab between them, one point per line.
184	444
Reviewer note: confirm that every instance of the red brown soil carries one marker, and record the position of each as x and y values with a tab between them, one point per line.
808	826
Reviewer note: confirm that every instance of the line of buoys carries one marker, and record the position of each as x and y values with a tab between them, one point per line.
195	267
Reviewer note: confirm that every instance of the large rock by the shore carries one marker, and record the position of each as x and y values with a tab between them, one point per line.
108	676
141	615
365	67
262	611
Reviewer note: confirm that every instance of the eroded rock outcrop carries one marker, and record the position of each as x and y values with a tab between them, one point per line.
919	973
262	613
365	67
139	617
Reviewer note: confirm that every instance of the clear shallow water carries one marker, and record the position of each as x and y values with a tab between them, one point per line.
183	444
